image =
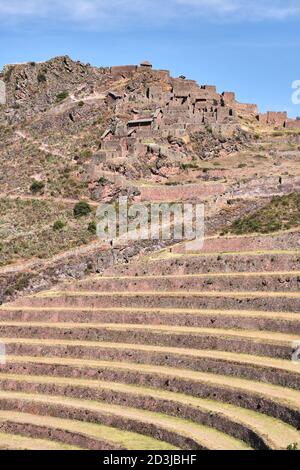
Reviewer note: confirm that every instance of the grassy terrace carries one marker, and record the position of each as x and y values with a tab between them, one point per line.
40	229
261	424
127	440
282	213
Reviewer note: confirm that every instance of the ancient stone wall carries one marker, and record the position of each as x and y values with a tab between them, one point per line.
228	97
177	107
273	118
246	109
292	124
123	69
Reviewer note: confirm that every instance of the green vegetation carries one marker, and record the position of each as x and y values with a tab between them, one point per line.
282	213
40	229
8	73
188	166
293	446
82	209
37	187
41	78
92	228
172	183
103	181
87	153
58	225
62	96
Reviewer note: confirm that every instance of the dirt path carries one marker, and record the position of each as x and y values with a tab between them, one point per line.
42	147
31	264
56	200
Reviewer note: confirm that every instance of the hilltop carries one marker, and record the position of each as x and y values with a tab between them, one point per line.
70	125
71	132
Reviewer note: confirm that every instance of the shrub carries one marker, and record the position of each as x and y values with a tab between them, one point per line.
82	209
92	228
293	446
81	104
22	282
58	225
8	73
9	292
102	181
41	77
86	154
282	213
62	96
37	187
188	166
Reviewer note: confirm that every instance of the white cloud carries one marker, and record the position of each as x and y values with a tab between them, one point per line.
244	9
104	14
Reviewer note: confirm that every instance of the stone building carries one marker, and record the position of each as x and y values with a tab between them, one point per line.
161	107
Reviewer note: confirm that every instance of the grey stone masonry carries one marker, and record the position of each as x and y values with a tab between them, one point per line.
157	106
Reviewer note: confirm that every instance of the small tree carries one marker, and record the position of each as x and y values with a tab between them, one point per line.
41	78
92	228
58	225
37	187
103	181
82	209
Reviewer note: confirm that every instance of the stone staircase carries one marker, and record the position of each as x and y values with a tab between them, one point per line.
175	351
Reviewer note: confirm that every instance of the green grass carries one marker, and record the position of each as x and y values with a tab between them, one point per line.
282	213
62	96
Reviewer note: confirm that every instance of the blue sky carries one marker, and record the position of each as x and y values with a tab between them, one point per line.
250	47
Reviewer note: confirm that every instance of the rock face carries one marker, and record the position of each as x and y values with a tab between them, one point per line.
32	88
130	121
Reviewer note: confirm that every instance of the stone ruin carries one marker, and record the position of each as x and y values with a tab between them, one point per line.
156	108
279	120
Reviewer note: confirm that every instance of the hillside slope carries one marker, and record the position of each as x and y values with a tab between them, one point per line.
71	132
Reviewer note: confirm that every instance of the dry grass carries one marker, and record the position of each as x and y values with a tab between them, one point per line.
28	229
282	213
275	433
203	435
